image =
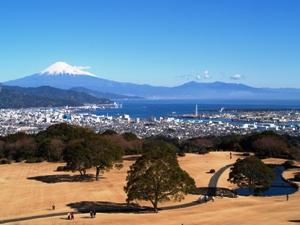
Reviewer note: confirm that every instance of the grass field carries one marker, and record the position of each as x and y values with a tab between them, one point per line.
29	190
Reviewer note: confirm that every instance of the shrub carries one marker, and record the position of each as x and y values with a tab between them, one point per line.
203	151
109	132
288	164
40	159
297	177
31	160
181	153
20	159
5	161
61	168
212	171
128	136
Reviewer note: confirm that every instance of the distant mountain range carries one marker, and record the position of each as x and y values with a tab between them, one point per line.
100	94
63	76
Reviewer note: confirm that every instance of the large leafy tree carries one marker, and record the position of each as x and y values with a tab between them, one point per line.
95	151
106	154
157	177
64	132
251	172
78	158
55	139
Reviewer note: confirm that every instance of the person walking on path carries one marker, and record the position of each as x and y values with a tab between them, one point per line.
287	197
212	198
94	213
69	216
53	206
91	213
72	216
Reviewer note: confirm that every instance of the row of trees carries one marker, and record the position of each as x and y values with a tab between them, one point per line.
52	142
264	145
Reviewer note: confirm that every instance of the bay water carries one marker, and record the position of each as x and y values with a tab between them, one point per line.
144	109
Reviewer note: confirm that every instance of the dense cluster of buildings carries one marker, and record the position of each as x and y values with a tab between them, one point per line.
34	120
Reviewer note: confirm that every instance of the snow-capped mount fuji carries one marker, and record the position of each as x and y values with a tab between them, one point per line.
60	68
62	75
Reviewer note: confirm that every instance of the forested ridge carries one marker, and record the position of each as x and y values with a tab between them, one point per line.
14	99
45	96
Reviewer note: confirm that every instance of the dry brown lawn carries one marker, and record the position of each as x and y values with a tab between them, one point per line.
31	189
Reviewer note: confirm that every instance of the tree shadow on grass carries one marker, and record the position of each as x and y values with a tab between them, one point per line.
64	178
109	207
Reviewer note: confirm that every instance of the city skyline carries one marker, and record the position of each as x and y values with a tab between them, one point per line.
160	43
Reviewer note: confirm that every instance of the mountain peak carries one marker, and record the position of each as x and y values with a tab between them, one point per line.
59	68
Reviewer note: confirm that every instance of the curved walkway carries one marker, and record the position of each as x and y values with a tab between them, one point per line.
214	179
212	187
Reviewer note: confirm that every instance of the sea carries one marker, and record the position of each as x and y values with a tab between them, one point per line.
145	109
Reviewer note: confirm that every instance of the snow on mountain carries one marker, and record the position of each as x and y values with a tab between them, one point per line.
59	68
63	76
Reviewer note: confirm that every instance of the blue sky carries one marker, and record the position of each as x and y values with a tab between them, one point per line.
156	42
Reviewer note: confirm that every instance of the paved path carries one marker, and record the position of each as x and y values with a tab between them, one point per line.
212	185
214	179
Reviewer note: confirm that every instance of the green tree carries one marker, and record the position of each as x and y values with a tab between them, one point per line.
53	141
78	158
95	151
251	172
129	136
64	132
109	132
157	177
106	154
